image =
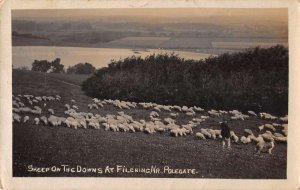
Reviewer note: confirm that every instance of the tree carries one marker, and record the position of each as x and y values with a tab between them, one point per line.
81	68
57	67
41	65
45	66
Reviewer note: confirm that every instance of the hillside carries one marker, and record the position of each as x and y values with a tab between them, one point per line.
255	79
45	145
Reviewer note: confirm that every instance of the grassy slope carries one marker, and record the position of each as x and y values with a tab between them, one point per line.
47	146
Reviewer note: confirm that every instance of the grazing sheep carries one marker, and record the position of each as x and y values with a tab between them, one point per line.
200	136
174	114
246	140
67	106
51	111
75	107
278	135
261	127
44	120
73	101
16	118
248	132
53	120
262	145
252	113
26	118
234	137
281	139
36	121
198	109
270	126
190	113
178	131
285	129
205	133
284	119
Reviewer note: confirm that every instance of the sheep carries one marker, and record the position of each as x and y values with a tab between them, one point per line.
154	114
25	119
284	119
157	109
67	106
281	139
285	129
73	101
245	140
36	121
75	107
190	113
278	135
198	109
252	113
204	117
234	137
213	133
174	114
200	136
149	128
44	120
214	113
72	122
267	136
261	127
53	120
262	145
270	126
16	118
169	121
51	111
178	131
248	132
177	108
205	133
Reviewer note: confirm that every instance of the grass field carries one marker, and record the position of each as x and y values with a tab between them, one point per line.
44	146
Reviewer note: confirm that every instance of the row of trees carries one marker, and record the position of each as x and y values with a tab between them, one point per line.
56	67
255	79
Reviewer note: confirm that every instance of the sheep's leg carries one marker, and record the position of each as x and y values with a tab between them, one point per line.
223	144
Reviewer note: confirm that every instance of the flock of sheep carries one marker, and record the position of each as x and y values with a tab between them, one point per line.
37	110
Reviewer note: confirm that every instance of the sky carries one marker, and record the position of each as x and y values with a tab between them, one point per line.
211	15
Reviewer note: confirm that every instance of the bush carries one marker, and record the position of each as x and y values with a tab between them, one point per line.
45	66
255	79
81	68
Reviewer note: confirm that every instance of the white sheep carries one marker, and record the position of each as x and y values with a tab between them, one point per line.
200	136
174	114
36	120
44	120
16	117
205	133
252	113
262	145
75	107
248	132
234	136
51	111
26	118
270	126
261	127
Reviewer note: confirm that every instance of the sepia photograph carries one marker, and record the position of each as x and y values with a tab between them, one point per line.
150	93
